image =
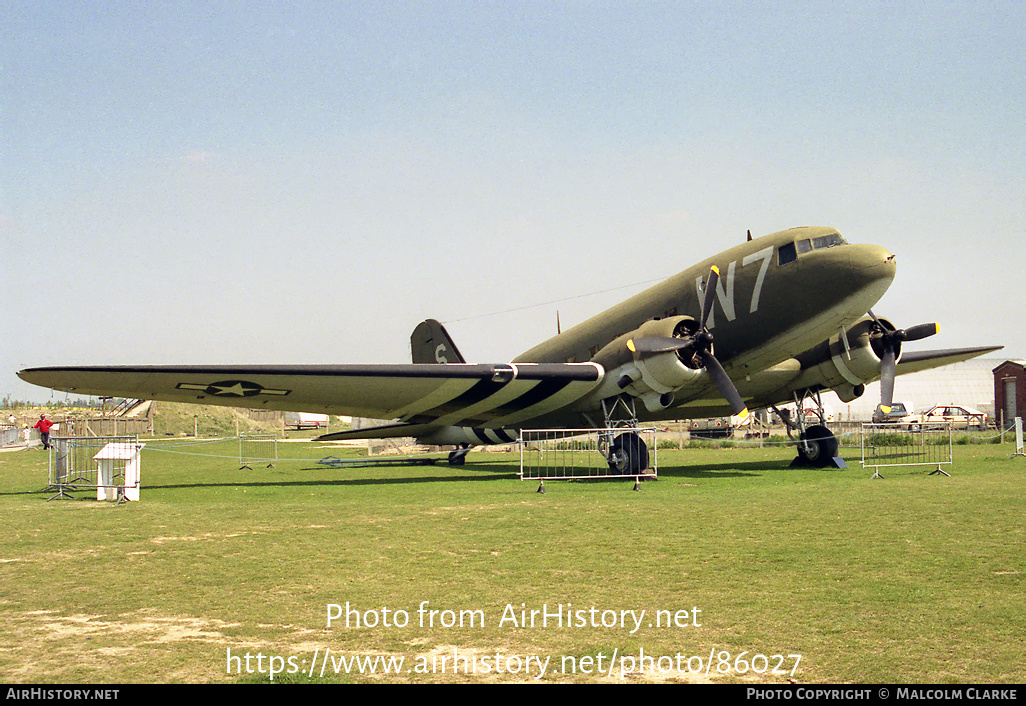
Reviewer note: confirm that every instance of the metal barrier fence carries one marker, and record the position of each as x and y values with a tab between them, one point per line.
570	454
257	448
94	463
11	436
883	445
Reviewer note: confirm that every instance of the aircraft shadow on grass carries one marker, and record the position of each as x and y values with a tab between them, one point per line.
493	473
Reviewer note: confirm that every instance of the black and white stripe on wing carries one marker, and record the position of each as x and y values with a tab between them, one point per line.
533	390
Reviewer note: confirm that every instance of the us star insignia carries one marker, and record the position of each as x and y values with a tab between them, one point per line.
231	388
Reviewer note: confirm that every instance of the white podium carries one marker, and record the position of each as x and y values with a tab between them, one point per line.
106	488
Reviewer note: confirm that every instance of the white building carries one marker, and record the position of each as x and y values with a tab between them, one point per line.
969	383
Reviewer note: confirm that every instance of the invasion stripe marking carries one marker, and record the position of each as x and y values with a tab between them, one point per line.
489	407
448	390
506	394
539	393
479	392
504	436
555	402
493	436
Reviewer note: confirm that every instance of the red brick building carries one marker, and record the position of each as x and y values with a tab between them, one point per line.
1010	391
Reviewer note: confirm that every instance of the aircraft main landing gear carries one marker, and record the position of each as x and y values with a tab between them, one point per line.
817	445
628	455
627	452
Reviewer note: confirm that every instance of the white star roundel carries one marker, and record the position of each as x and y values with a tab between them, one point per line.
231	388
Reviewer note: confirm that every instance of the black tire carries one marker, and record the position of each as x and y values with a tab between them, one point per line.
628	455
457	458
822	446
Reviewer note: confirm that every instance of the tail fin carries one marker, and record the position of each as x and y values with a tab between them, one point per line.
430	343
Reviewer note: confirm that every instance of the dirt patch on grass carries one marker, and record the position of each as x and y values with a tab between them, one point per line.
138	646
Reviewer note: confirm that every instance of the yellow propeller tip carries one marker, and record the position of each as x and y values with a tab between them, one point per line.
885	410
716	269
743	413
630	345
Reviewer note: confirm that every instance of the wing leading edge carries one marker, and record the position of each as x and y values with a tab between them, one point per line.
480	395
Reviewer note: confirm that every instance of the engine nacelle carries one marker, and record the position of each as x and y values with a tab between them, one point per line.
651	377
845	370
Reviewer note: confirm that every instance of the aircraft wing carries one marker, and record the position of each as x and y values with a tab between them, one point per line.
481	395
915	361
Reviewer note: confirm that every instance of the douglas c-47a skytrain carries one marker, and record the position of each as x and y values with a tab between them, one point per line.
771	321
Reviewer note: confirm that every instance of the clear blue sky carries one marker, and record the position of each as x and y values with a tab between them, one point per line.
218	182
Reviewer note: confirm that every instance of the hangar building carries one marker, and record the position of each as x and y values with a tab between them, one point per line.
969	383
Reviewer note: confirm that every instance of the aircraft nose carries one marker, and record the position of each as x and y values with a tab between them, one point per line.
873	262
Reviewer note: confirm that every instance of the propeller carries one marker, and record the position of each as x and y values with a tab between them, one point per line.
702	345
889	341
704	348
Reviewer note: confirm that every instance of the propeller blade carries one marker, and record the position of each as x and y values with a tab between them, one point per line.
658	344
887	366
710	293
724	384
916	333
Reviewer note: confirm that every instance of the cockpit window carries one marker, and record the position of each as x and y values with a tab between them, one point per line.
786	254
790	251
828	241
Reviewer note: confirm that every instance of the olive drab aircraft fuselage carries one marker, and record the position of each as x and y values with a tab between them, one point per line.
755	326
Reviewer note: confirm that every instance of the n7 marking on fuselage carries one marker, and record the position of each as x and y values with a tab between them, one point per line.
725	286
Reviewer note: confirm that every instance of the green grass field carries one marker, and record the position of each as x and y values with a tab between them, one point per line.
735	558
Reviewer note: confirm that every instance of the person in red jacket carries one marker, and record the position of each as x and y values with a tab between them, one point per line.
44	425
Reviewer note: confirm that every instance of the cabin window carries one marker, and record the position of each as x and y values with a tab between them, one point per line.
786	254
803	246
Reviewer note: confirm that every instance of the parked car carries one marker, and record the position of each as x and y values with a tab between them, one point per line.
959	416
900	411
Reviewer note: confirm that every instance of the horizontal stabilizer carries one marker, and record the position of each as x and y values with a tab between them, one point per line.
383	431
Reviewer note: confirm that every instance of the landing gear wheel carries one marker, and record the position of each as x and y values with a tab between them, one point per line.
817	446
628	455
459	456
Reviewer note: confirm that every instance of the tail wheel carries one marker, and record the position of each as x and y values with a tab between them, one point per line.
459	456
818	446
628	455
